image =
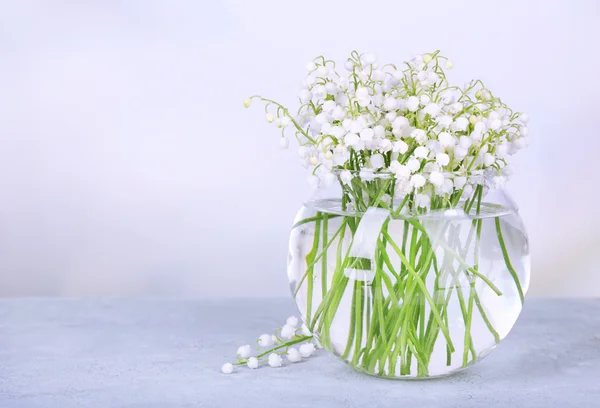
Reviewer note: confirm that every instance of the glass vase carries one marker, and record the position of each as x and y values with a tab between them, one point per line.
404	285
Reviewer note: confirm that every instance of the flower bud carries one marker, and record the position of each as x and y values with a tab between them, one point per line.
413	165
377	161
367	134
275	360
400	147
244	351
252	363
346	177
293	355
302	150
305	96
307	349
459	182
488	159
369	59
323	71
270	118
412	103
247	102
436	178
390	103
442	159
422	200
421	152
496	124
417	180
266	340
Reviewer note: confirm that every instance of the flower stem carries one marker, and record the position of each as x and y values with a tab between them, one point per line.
309	260
285	345
511	270
324	256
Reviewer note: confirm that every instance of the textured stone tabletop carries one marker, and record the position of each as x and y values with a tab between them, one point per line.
167	353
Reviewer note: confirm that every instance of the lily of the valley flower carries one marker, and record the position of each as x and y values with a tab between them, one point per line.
252	363
350	121
275	360
244	351
306	350
288	331
266	340
293	355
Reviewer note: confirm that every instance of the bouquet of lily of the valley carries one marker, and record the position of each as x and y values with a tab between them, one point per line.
411	260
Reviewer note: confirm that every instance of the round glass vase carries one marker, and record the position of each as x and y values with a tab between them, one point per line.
406	286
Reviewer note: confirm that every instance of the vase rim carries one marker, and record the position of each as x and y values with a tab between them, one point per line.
386	174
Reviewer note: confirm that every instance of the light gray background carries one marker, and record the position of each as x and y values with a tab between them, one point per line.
128	165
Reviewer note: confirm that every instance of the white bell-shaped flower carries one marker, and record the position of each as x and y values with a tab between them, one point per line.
252	363
293	355
412	103
244	351
418	180
346	177
376	160
306	350
275	360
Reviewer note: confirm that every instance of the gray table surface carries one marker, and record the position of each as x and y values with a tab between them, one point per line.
168	353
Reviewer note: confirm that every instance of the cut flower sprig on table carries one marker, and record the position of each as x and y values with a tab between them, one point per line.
417	264
290	341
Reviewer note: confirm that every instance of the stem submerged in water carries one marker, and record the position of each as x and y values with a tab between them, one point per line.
403	312
309	272
512	271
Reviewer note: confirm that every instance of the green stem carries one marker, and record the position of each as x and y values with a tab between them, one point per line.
339	231
468	338
286	345
324	256
478	223
312	219
423	288
309	275
359	304
486	320
511	270
351	330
